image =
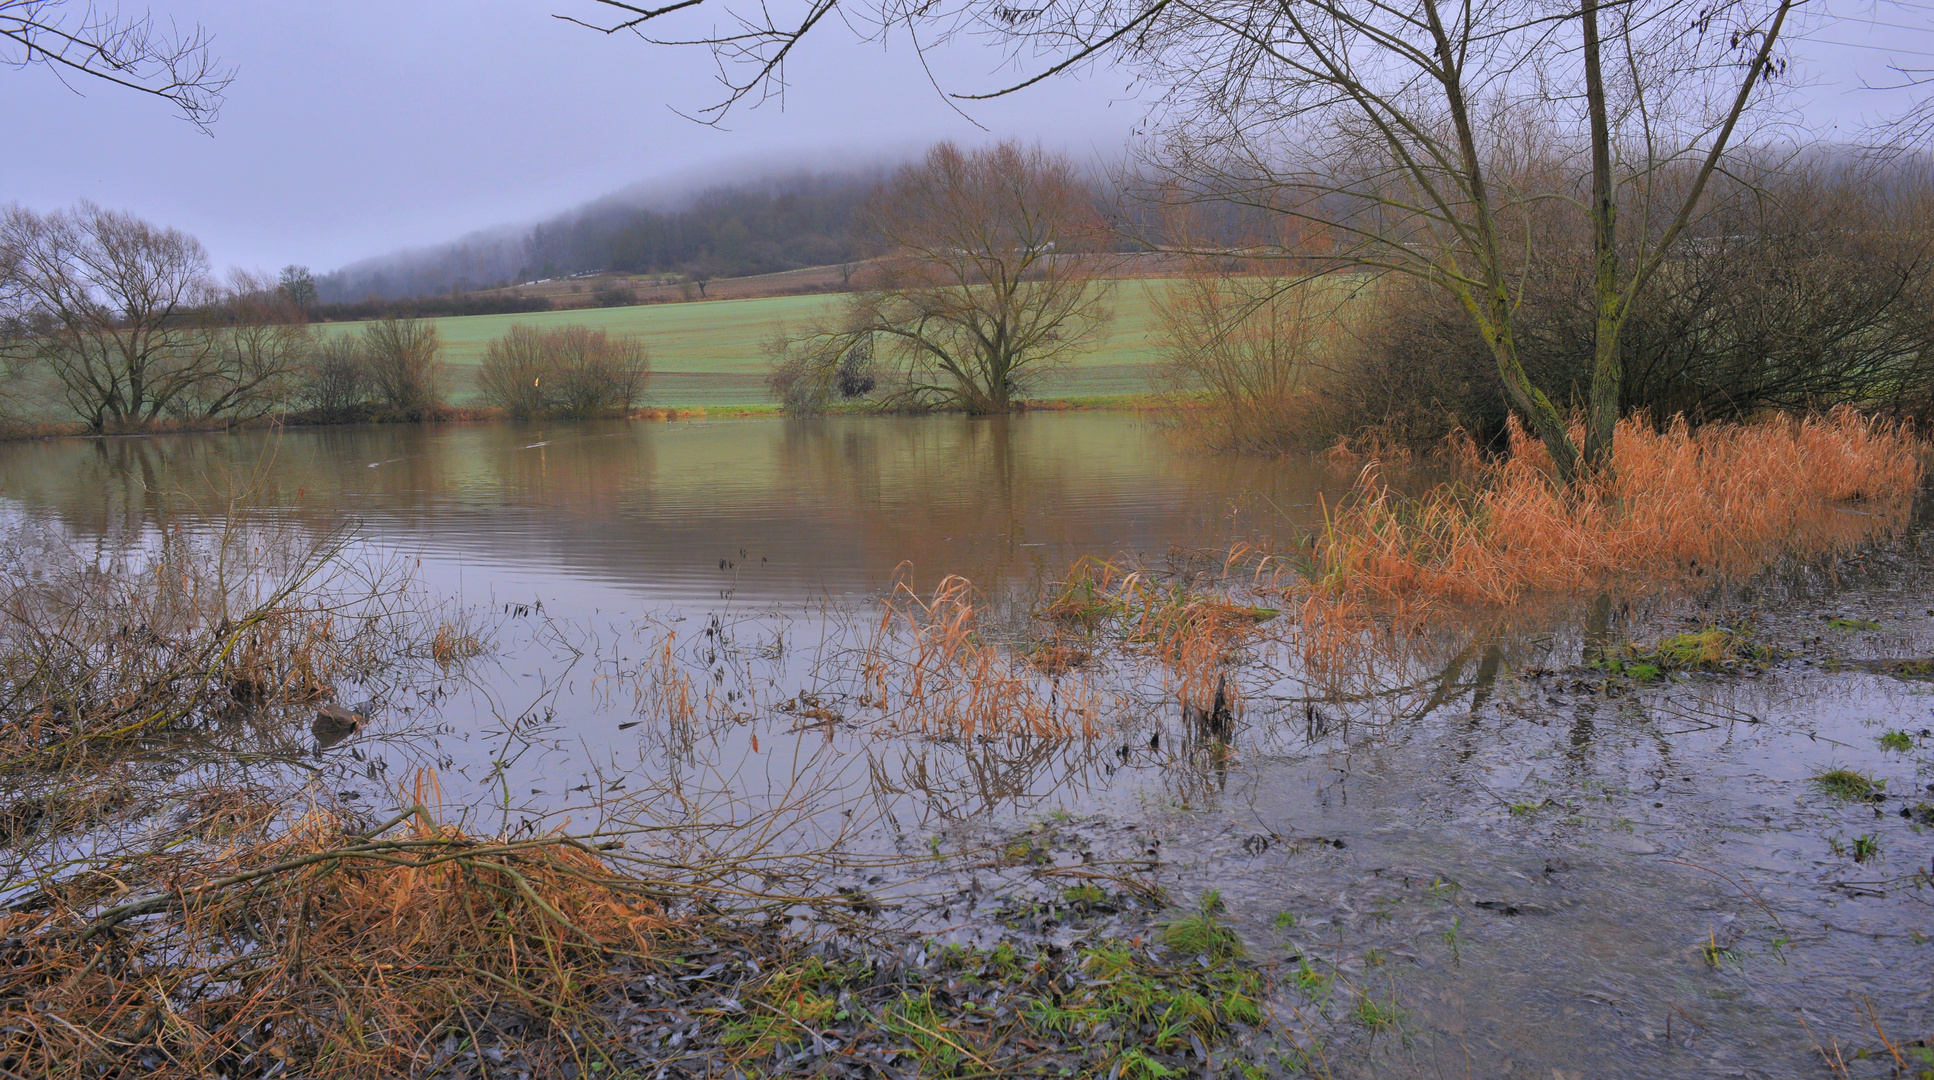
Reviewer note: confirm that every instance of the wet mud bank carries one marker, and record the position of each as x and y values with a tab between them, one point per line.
1564	871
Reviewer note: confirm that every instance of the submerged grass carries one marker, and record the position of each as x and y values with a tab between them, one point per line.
1847	784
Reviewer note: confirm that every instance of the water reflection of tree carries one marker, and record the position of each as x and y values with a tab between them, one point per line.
956	781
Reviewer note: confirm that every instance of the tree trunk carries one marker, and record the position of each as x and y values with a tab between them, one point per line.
1524	396
1601	420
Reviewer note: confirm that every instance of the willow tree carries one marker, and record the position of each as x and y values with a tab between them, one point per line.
1399	126
987	277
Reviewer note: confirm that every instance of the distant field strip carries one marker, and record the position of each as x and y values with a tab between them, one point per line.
711	352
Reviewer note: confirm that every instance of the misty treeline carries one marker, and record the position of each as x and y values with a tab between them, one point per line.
1429	145
763	226
120	325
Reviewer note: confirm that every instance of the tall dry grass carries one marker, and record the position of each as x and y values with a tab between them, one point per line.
932	666
190	627
1191	636
1682	505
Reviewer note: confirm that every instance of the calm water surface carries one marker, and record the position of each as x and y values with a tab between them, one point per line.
684	513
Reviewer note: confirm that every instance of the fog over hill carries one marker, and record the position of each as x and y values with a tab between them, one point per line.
781	219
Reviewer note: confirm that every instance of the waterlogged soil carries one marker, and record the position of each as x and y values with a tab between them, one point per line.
1521	864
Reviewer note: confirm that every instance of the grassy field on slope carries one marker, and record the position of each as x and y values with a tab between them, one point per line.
711	352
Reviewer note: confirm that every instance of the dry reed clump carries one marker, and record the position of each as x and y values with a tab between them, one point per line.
1681	505
931	668
325	951
453	643
188	630
1193	636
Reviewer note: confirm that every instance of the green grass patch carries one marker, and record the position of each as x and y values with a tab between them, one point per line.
1847	784
1866	847
1853	624
1896	740
1201	933
1084	896
1378	1015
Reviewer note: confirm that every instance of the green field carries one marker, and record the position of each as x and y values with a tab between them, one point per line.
711	352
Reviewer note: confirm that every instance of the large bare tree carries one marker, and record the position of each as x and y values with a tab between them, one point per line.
133	52
261	346
988	276
114	308
1399	125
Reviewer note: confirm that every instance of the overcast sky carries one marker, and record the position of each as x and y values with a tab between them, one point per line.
357	127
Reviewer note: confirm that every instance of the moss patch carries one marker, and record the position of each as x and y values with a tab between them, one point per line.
1715	649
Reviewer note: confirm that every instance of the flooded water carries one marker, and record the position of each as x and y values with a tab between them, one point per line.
1494	862
677	514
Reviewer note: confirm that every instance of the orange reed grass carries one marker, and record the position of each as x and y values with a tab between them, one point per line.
944	679
1679	506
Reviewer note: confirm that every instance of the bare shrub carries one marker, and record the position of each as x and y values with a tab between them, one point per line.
1804	289
596	373
614	295
336	384
404	360
1249	356
512	374
576	372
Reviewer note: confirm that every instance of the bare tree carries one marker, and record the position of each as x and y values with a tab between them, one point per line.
260	349
989	276
1439	142
1248	352
131	52
113	307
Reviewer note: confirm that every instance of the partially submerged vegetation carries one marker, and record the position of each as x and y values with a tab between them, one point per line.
1847	784
183	925
1680	506
1713	649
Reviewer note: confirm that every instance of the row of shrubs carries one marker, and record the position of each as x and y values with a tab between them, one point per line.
394	370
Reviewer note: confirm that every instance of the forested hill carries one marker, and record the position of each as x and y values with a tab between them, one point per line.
728	230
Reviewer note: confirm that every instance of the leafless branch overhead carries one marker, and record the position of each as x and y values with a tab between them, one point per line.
134	52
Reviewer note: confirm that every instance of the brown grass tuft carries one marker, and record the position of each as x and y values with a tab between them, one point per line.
453	644
322	949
